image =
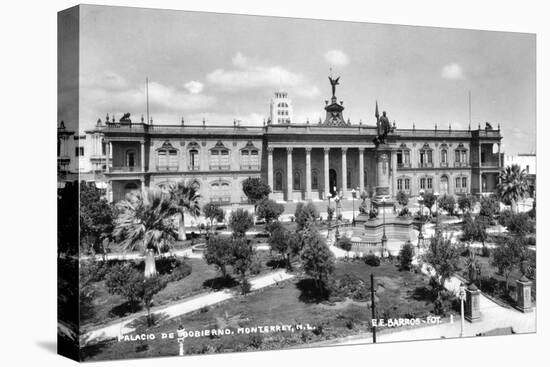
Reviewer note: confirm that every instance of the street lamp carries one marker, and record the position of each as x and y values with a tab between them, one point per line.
353	195
462	297
384	238
436	195
421	217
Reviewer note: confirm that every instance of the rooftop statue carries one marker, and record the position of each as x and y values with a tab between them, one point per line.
383	127
334	83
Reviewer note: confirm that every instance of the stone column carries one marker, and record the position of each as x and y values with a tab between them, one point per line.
361	170
327	183
472	312
394	173
308	173
108	157
523	285
270	168
142	157
344	171
289	173
479	162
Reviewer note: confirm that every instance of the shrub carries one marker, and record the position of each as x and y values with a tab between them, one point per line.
474	229
126	281
269	210
465	202
485	251
406	256
520	224
305	214
372	260
504	217
490	206
404	212
218	252
402	198
344	243
447	203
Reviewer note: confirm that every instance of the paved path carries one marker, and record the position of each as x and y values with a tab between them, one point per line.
181	308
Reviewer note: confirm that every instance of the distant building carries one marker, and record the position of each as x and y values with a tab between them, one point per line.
300	161
528	162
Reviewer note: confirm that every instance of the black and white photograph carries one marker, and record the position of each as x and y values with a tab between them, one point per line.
232	183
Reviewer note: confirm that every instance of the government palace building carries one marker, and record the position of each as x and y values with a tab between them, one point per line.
299	161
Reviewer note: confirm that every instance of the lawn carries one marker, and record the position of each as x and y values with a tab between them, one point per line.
283	304
203	277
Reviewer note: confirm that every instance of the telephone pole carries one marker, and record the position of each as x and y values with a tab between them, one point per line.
372	307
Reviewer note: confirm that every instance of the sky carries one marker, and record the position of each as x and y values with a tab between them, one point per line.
221	67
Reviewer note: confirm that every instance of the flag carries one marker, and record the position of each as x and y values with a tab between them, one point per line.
376	114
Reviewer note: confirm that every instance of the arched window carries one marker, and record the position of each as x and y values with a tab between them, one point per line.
403	156
250	157
219	157
444	159
296	185
426	156
278	181
444	185
167	157
461	156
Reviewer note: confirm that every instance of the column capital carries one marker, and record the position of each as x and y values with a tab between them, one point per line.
361	149
289	149
326	150
344	150
308	149
270	149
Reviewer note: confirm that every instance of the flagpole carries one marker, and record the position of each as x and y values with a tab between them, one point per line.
147	96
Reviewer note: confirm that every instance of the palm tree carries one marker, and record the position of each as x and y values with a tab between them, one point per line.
146	221
513	185
186	200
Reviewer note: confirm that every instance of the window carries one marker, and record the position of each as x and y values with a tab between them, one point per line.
167	159
250	157
194	159
296	181
278	181
315	180
425	156
130	158
399	184
407	184
79	151
399	158
458	183
422	183
403	156
444	156
58	147
103	147
219	157
464	182
429	183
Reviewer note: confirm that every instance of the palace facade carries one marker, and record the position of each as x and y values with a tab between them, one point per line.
299	161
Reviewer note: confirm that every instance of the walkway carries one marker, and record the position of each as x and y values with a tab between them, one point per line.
181	308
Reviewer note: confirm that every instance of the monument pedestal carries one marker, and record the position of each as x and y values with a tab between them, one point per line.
523	302
472	312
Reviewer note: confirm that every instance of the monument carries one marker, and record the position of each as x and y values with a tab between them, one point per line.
523	286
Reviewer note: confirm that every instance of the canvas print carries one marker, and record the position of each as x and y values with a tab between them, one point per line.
231	183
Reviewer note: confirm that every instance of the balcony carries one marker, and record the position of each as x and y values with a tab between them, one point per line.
250	167
167	168
126	169
443	164
404	165
221	199
194	168
220	167
425	165
492	164
461	164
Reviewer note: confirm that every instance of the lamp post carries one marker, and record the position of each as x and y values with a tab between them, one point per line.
462	297
353	195
328	216
421	217
384	238
436	195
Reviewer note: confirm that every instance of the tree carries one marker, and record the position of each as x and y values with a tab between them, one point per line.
242	256
305	213
508	255
186	200
147	222
240	221
213	212
443	257
474	229
465	203
285	243
447	203
255	190
345	244
489	206
269	210
125	280
406	255
429	200
96	217
317	259
402	198
513	185
218	252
